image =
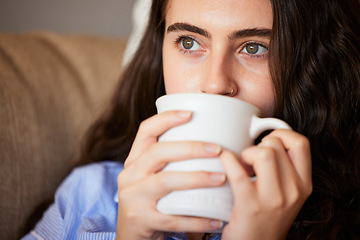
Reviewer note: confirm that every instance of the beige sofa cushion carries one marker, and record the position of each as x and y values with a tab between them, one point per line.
52	86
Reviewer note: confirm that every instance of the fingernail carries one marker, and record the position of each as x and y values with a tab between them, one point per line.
218	177
215	224
212	148
184	114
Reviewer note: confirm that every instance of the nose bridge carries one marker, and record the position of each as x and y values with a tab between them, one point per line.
217	79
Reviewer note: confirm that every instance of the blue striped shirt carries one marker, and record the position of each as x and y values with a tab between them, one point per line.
85	207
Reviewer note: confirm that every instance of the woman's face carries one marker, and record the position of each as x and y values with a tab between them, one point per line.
219	47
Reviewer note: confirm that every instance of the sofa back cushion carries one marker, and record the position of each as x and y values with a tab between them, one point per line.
52	86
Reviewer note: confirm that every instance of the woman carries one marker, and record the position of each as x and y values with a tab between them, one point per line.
295	60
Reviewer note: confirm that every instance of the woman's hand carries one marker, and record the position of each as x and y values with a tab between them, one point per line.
141	184
266	208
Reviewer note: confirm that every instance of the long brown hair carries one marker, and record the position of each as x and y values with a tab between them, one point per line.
315	66
111	137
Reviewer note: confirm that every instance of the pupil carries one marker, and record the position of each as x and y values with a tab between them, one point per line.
188	43
252	48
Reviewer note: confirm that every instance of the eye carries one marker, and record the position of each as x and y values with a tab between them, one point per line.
188	44
253	48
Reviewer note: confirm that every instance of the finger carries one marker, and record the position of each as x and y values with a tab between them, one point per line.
159	154
238	177
162	183
286	167
298	150
153	127
172	223
289	179
162	153
264	162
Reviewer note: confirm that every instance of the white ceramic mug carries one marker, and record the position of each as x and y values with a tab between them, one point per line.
229	122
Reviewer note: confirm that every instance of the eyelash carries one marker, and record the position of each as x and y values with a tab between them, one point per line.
243	47
184	51
181	48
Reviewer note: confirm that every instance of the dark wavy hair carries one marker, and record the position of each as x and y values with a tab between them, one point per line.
316	72
315	66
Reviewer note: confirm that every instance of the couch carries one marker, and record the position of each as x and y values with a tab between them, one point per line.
52	86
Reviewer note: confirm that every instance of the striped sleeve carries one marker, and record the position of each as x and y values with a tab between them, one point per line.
84	206
50	227
97	236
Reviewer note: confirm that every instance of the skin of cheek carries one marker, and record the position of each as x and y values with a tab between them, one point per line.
256	87
265	102
181	74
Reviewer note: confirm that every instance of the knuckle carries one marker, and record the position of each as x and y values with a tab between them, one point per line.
119	179
256	208
122	179
266	154
133	216
299	194
170	223
278	202
154	150
157	154
246	153
295	197
147	233
143	127
302	142
128	161
161	181
308	189
270	140
124	194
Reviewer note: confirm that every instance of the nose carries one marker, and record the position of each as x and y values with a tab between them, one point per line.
218	76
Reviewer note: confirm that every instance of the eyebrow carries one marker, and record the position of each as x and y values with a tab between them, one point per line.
188	27
251	32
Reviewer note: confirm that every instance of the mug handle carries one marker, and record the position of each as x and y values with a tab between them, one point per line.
259	125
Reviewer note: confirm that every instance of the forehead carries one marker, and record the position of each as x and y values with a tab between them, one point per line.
221	14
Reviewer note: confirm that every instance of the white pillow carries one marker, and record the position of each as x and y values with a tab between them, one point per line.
140	17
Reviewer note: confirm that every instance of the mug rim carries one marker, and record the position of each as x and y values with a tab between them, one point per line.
207	95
